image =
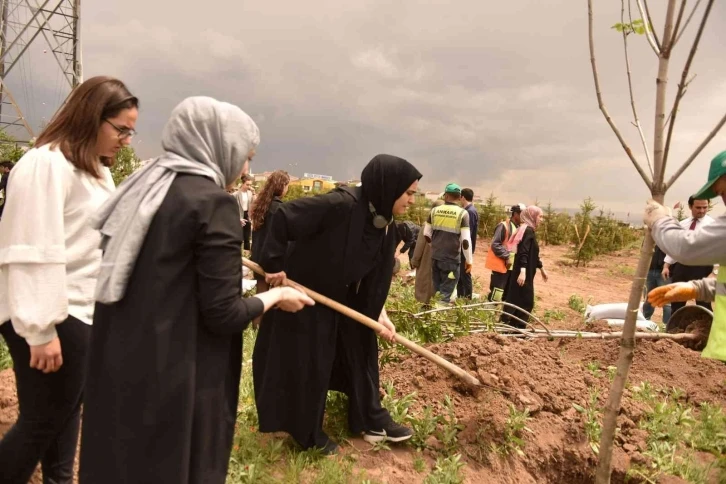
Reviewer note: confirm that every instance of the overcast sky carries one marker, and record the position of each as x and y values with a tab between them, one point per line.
497	96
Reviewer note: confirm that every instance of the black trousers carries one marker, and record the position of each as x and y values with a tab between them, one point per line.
684	273
247	230
498	281
47	428
465	286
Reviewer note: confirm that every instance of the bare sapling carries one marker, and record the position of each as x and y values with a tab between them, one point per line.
675	23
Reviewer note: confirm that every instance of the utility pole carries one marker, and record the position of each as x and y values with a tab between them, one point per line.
21	23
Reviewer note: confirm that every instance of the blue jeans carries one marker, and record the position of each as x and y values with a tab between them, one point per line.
442	273
655	279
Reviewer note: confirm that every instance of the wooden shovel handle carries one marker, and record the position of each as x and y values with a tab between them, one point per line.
374	325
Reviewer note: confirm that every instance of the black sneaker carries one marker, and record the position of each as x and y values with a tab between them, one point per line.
331	448
392	432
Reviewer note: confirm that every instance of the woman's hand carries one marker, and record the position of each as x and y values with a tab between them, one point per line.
243	222
389	330
545	277
522	277
276	279
293	300
262	286
47	358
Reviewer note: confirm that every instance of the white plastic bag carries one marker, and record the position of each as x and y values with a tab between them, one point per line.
610	311
639	325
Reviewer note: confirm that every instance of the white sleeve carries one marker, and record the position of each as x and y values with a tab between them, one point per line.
32	246
37	300
692	247
465	238
669	260
428	230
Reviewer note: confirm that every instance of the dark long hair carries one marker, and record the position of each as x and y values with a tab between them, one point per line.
274	186
75	126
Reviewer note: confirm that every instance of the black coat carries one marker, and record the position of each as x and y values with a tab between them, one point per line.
259	235
298	357
165	361
522	296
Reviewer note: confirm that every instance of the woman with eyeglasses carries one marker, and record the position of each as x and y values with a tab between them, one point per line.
49	261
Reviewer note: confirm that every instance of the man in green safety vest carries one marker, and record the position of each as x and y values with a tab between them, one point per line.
704	247
447	229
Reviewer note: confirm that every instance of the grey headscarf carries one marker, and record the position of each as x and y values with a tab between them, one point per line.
202	137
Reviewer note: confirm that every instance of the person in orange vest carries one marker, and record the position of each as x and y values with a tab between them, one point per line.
499	258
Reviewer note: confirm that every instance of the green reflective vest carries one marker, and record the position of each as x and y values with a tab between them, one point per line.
447	218
716	347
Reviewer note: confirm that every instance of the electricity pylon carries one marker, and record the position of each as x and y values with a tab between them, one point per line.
21	23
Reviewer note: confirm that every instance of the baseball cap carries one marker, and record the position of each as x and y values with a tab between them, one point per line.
453	188
518	207
716	171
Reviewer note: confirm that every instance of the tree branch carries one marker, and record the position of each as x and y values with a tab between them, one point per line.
601	105
684	81
688	20
650	22
700	148
648	30
685	90
678	23
630	89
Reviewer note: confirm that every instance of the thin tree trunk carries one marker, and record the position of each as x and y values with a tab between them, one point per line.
627	343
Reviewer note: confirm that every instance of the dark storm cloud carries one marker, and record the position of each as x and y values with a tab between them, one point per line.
495	96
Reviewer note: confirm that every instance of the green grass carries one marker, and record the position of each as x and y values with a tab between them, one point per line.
676	430
5	360
576	303
261	458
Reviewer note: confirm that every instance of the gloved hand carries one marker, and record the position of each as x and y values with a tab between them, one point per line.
677	292
654	211
467	268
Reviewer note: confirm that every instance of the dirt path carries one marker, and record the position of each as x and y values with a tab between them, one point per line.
607	279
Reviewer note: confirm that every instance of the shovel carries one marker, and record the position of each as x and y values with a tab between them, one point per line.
374	325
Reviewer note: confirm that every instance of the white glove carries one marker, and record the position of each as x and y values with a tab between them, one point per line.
654	211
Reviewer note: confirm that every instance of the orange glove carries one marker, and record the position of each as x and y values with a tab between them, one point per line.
467	268
678	292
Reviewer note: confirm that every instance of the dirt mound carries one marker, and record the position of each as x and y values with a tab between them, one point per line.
547	378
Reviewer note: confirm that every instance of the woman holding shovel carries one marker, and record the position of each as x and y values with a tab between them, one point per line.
344	243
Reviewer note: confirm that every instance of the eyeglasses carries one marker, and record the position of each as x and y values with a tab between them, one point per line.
123	133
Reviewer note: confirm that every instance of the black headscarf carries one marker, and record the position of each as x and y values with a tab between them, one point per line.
384	179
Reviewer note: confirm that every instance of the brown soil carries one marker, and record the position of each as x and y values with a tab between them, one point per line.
547	377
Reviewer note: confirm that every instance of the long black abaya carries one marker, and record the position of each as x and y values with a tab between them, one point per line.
337	252
522	296
164	367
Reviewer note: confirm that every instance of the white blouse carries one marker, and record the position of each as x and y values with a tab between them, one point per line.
243	198
49	254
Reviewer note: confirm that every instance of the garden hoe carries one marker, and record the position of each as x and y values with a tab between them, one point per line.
374	325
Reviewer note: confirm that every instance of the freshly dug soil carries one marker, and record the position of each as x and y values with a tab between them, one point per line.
547	377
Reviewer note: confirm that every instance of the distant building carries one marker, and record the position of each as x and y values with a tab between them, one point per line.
259	178
314	184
